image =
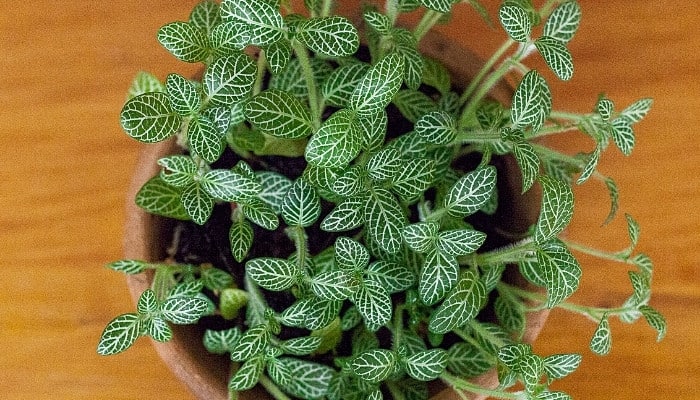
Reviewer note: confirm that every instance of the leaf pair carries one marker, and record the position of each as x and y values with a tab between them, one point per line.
376	365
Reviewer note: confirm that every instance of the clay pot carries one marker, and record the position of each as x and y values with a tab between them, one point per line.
206	375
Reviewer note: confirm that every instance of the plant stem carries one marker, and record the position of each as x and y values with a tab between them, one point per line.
620	257
459	384
305	62
508	254
429	19
485	69
272	388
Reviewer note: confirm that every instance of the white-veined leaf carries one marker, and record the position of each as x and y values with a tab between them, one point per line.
277	55
557	208
636	111
336	142
350	254
301	346
144	82
557	56
280	114
260	213
215	279
623	135
333	285
129	267
414	177
333	36
301	205
147	303
278	372
560	269
252	342
221	342
461	305
515	21
373	302
421	236
655	320
158	329
558	366
264	21
470	192
384	164
241	238
563	22
377	21
185	41
437	127
274	187
310	381
197	203
373	129
385	219
374	365
347	215
205	15
205	139
532	102
183	94
149	117
184	310
438	276
528	162
119	334
442	6
601	342
591	165
379	85
392	276
467	360
459	242
510	314
157	197
229	79
247	375
228	185
178	170
340	84
230	37
272	273
605	108
426	365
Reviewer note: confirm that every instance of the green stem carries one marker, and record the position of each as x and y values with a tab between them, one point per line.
256	303
508	254
305	62
429	19
485	69
620	256
459	384
272	388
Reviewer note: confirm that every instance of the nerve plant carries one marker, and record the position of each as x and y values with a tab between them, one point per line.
395	300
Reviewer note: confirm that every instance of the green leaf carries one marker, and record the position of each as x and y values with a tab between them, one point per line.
436	75
385	219
333	36
119	334
602	340
350	254
531	369
247	375
157	197
459	242
341	83
260	213
229	79
197	202
373	302
301	346
392	276
185	41
515	21
461	305
205	15
347	215
264	21
301	205
377	21
528	162
311	380
413	104
563	22
231	301
470	192
184	310
229	38
228	185
442	6
241	238
178	170
252	343
150	118
274	187
437	127
605	108
421	236
655	320
158	329
561	271
147	303
144	82
373	130
183	94
278	372
557	209
512	355
614	199
623	135
352	182
280	114
379	85
216	279
591	165
467	360
510	314
129	267
636	111
277	55
426	365
221	342
374	365
333	285
532	102
557	56
205	139
336	142
558	366
384	164
274	274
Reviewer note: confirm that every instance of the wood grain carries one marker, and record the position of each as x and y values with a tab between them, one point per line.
66	164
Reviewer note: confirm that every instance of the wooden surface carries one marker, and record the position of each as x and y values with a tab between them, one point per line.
65	165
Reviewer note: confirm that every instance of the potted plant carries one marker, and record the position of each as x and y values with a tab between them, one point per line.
333	213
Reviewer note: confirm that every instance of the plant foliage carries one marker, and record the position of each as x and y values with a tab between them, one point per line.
406	259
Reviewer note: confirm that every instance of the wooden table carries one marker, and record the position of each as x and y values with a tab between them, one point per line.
66	164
